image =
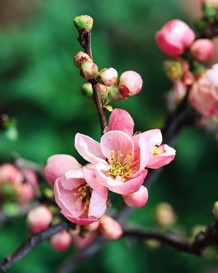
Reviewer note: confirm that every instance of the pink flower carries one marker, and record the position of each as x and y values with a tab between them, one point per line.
130	84
159	154
21	190
202	49
39	219
119	161
81	199
61	240
204	93
174	37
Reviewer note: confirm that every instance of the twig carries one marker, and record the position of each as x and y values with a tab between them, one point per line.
30	244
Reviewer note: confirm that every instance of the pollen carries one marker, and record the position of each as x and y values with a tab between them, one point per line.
120	166
157	151
84	193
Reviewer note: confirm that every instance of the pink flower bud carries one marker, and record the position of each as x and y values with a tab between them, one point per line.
103	90
202	50
174	37
39	219
137	199
130	83
88	70
61	240
80	58
10	174
107	76
110	228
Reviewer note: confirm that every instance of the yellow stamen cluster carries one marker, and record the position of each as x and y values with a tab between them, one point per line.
157	151
120	166
84	193
174	70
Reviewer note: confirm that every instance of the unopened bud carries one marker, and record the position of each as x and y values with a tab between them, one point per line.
202	50
88	70
61	240
102	90
174	70
130	84
211	3
210	8
107	76
110	228
165	215
39	219
215	210
83	23
87	90
80	58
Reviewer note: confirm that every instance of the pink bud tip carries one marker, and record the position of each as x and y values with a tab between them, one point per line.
39	219
202	50
61	240
107	76
174	37
88	70
110	228
130	83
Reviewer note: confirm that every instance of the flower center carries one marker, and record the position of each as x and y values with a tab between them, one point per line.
120	166
157	151
84	193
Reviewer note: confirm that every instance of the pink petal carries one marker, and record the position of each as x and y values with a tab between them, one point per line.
57	165
157	161
116	141
88	148
121	120
72	179
137	199
153	137
142	151
98	205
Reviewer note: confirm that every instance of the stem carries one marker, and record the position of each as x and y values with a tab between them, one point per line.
85	41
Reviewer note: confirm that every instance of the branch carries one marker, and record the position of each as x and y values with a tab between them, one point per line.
85	41
30	244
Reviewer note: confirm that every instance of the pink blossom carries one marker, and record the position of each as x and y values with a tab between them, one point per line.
39	219
137	199
202	49
119	161
21	184
110	228
61	240
130	84
81	199
204	93
159	154
174	37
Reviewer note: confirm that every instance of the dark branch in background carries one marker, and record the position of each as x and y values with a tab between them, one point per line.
30	244
85	41
211	30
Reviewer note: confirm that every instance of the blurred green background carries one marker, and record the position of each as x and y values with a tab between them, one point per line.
40	88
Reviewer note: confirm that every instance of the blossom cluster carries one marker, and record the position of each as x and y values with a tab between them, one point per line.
119	163
186	70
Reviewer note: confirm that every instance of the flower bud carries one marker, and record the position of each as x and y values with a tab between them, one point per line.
61	240
80	58
165	215
137	199
110	228
202	50
87	90
39	219
103	90
174	37
130	83
88	70
215	210
107	76
83	23
211	3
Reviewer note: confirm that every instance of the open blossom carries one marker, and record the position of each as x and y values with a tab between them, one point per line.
204	93
174	37
81	199
13	179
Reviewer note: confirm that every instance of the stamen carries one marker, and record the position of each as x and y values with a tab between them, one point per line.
157	151
84	193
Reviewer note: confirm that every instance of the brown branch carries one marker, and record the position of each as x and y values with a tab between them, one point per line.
30	244
85	41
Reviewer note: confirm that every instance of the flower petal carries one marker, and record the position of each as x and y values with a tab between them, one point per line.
121	120
98	205
88	148
137	199
57	165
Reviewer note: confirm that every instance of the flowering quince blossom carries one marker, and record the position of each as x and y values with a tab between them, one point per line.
204	93
174	37
120	158
81	198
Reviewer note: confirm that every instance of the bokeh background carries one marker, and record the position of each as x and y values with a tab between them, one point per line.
40	89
